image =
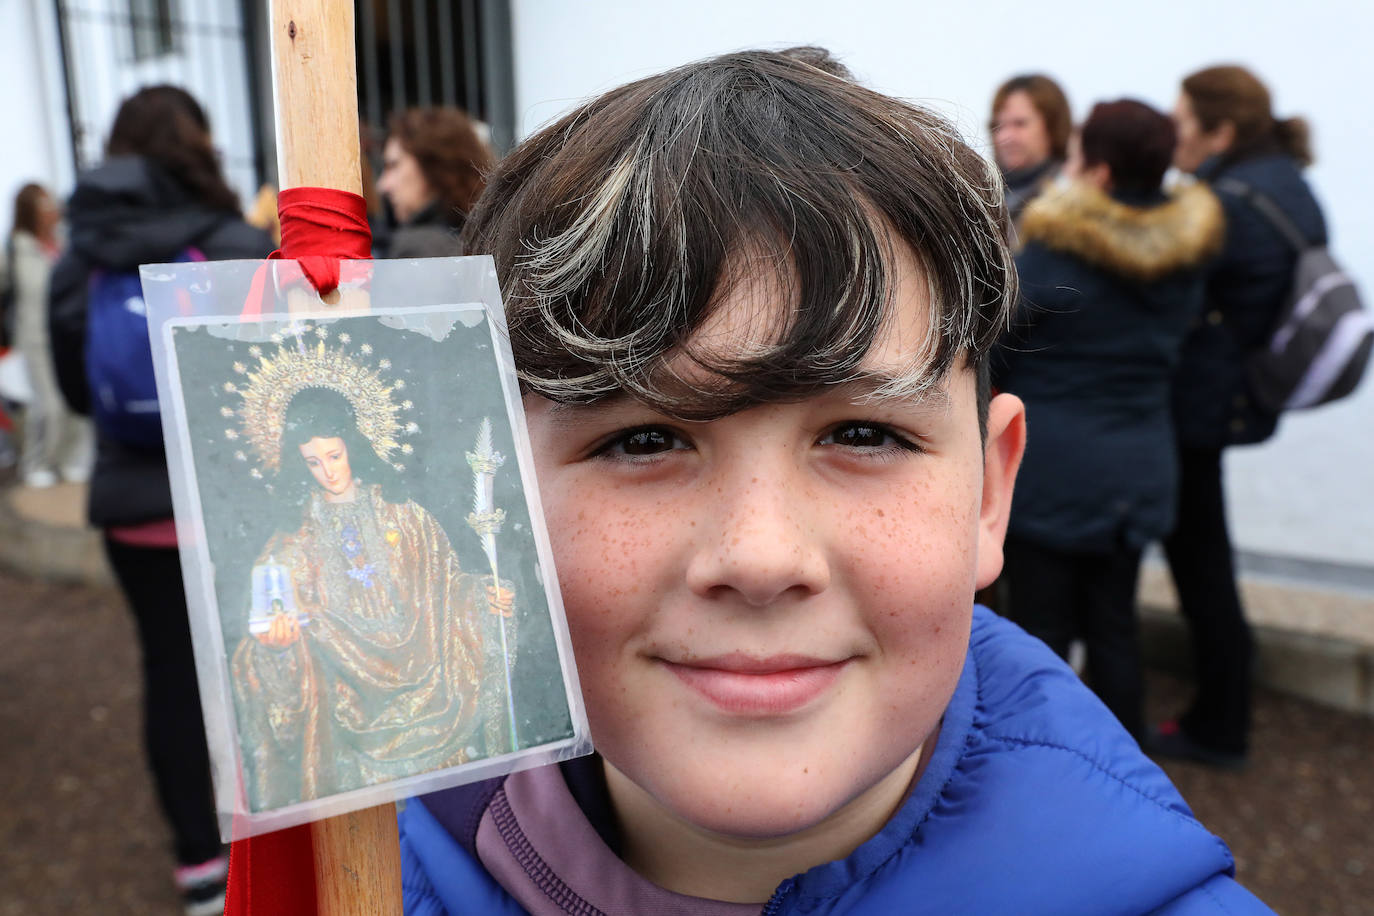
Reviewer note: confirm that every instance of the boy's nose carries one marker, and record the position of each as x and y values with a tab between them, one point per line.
764	543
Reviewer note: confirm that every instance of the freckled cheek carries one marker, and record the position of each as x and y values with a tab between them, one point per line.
612	560
913	565
922	641
596	622
903	539
918	608
608	603
924	620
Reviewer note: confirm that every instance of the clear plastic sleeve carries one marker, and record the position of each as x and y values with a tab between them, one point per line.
373	602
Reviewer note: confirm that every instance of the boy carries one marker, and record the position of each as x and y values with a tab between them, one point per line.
752	303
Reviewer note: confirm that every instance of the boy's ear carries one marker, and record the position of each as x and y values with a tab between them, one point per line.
1006	441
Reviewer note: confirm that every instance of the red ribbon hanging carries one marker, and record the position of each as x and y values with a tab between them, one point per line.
273	874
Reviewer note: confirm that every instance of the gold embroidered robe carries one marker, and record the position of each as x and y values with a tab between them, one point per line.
385	680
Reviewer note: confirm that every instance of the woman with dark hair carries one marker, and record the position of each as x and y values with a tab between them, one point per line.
379	657
434	166
1111	276
1229	138
318	411
159	193
1030	128
57	443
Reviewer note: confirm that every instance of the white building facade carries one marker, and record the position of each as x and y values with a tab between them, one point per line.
70	63
1301	504
1306	496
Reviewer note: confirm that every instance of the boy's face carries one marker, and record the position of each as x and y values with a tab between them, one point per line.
770	610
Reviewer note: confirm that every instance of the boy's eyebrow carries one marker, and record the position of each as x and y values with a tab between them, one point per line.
570	413
879	386
571	408
869	387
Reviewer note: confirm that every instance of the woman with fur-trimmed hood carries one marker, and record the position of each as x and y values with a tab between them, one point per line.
1112	275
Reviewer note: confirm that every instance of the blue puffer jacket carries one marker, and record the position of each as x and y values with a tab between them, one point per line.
1034	801
1246	287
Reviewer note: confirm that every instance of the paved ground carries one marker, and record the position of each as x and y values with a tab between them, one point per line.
81	833
63	505
1298	818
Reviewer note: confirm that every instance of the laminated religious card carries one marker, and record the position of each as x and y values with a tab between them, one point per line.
373	601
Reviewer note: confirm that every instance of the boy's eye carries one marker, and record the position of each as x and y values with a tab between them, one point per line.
866	436
645	442
637	443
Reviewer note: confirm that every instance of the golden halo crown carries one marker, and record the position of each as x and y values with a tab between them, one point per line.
297	364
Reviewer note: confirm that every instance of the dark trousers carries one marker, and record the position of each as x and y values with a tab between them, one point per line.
1200	560
1060	596
173	731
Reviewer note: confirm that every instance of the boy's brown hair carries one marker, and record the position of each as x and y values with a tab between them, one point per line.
618	229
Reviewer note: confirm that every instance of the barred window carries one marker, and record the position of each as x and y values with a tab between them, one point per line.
151	28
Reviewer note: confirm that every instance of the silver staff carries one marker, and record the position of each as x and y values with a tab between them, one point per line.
486	520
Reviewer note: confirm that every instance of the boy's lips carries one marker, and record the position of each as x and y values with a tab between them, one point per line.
748	686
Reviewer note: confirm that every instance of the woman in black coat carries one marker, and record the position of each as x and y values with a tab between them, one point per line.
1227	133
158	193
1111	274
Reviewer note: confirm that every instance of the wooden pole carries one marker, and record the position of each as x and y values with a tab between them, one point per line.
315	88
358	863
315	85
315	91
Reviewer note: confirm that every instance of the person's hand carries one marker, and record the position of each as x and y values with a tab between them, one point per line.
284	630
500	600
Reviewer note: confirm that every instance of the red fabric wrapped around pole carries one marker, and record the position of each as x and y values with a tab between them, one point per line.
273	874
320	227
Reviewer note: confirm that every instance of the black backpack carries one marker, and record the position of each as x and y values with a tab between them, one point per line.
1321	344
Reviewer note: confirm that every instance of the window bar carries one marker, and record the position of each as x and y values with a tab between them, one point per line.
447	75
69	84
471	82
420	37
395	30
372	84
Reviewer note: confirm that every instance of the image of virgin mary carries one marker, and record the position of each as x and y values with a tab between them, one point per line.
379	658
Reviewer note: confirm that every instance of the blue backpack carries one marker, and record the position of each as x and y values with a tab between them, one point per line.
119	357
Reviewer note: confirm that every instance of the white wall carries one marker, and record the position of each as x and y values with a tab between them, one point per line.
209	63
37	144
1309	492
